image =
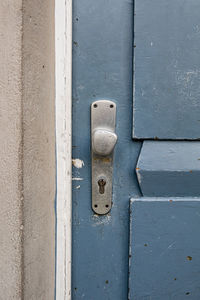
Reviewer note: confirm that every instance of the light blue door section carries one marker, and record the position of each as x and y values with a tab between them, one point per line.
102	69
169	169
147	60
164	249
166	69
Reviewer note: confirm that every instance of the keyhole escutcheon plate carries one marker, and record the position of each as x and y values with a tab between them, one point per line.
101	183
103	140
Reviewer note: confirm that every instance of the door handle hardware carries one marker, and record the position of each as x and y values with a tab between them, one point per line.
103	141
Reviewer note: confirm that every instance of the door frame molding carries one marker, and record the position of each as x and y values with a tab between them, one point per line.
63	102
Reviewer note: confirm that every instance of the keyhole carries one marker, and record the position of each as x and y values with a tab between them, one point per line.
101	184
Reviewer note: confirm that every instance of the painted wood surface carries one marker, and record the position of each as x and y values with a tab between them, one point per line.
63	35
169	168
102	69
164	248
166	69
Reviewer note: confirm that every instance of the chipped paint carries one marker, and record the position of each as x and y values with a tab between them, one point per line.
78	163
189	257
101	220
139	176
77	178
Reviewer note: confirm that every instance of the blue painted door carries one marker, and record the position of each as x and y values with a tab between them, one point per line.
144	56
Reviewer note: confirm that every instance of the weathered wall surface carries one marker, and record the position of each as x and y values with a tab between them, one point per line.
10	149
27	152
39	149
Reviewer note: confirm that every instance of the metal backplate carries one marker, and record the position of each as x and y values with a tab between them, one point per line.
103	116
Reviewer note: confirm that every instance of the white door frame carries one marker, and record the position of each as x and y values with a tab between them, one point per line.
63	40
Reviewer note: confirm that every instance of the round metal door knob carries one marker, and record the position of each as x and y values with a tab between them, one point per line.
103	141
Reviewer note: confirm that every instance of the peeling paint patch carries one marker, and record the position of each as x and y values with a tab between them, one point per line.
77	163
101	220
77	178
139	177
189	257
78	187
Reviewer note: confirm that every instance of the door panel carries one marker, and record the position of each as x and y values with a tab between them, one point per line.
166	106
169	168
102	69
166	69
164	248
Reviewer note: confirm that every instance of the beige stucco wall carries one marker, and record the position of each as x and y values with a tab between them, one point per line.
27	151
10	149
39	149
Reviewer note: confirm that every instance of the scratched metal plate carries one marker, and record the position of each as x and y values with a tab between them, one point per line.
103	116
164	248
